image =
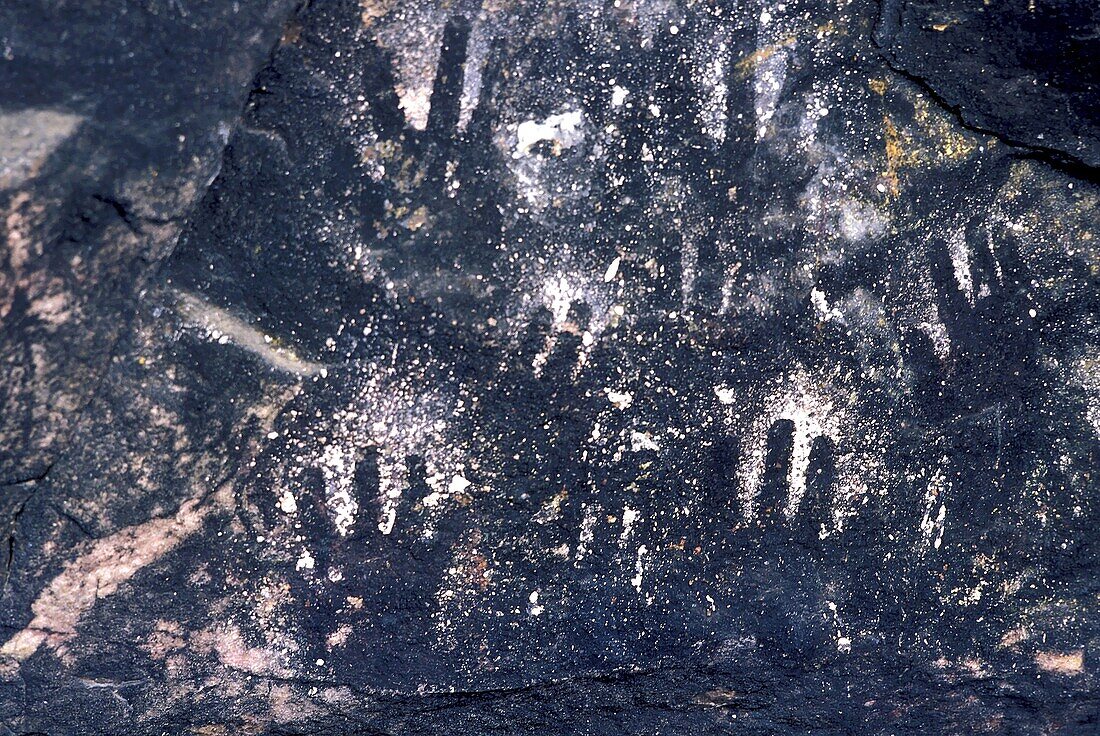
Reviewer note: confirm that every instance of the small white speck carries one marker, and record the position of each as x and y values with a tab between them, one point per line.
636	581
305	561
642	441
620	400
534	609
287	504
458	484
629	517
612	270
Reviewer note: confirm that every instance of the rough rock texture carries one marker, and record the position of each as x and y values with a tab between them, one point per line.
113	118
1023	71
402	366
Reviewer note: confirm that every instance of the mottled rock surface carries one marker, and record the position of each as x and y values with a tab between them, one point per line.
645	367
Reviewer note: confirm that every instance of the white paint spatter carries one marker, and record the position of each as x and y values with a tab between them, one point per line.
914	307
814	109
287	503
725	394
619	95
767	86
936	331
807	404
337	466
828	206
689	268
550	176
711	62
612	270
639	568
477	53
640	441
587	532
556	288
935	509
558	296
389	515
412	34
619	399
843	642
534	608
565	129
394	413
821	306
959	252
415	423
1085	373
305	561
629	517
859	221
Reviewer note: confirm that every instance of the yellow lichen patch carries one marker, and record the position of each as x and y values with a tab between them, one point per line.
372	10
292	31
878	86
897	156
409	177
746	65
1061	663
386	159
470	567
950	143
932	140
417	219
380	152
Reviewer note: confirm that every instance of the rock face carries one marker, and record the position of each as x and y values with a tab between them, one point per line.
565	367
1022	71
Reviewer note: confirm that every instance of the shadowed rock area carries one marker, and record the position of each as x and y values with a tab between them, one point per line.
558	367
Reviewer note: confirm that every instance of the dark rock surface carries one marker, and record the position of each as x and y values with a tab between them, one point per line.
113	118
1026	72
565	367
